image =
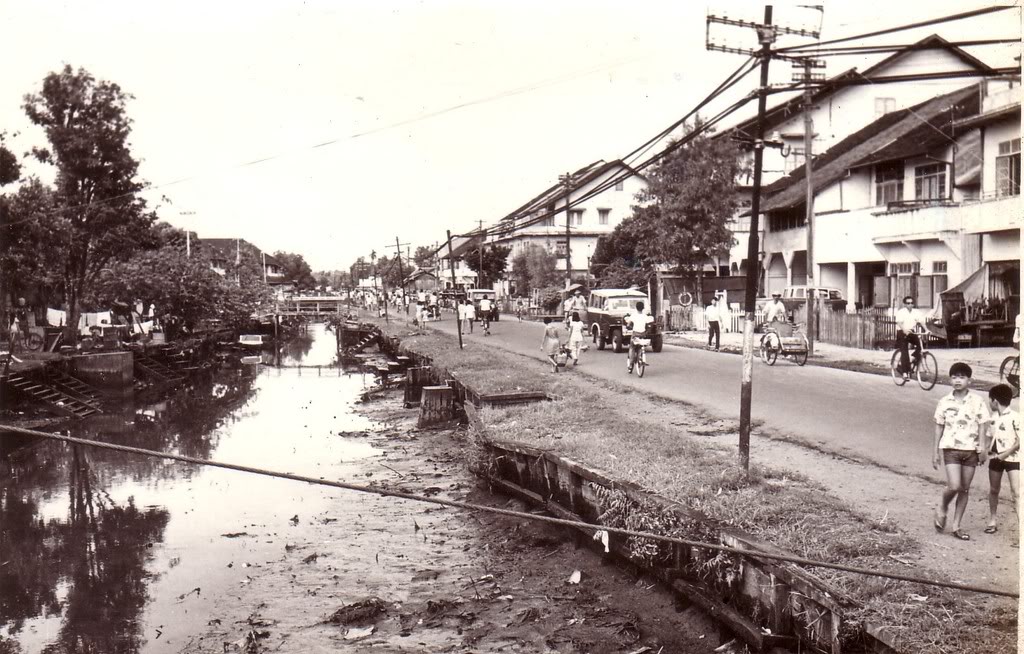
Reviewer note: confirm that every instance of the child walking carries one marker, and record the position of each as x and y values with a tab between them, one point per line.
961	420
1004	452
575	337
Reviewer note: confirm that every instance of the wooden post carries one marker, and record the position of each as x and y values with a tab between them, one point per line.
437	405
415	379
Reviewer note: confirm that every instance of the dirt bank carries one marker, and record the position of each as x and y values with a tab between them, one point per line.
388	575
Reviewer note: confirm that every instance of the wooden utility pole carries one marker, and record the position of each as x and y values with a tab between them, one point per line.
401	272
451	266
766	35
567	180
480	275
812	301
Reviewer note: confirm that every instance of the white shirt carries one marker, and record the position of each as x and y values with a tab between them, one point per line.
907	319
485	305
638	321
775	311
711	313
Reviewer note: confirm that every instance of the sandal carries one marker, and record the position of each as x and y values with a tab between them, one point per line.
940	525
991	529
961	535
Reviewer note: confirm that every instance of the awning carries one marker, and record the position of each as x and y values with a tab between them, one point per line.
975	287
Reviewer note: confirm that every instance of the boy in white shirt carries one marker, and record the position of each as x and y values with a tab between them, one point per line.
1004	451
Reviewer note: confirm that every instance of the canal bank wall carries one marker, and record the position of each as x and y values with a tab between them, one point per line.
765	603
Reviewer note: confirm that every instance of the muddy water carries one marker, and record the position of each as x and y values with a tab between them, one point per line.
121	553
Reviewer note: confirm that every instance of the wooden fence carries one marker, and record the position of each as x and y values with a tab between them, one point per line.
867	329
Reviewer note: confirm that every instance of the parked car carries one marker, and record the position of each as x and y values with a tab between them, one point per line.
605	310
795	296
477	294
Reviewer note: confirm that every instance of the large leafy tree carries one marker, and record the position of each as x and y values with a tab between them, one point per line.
424	256
616	262
682	215
494	260
534	267
97	212
184	289
296	269
28	264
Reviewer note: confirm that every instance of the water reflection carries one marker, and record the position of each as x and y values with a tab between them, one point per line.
97	547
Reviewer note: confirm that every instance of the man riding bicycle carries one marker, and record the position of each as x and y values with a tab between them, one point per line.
907	321
485	314
636	322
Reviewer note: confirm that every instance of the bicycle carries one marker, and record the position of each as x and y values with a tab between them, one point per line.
773	343
923	365
638	355
1009	373
19	341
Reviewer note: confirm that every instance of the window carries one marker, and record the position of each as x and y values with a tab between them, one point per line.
547	222
794	160
939	267
602	216
618	186
888	182
884	106
576	216
560	248
930	182
905	268
1008	168
786	219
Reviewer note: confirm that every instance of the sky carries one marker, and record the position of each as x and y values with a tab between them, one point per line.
372	120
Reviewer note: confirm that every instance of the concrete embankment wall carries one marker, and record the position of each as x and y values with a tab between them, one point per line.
112	370
764	602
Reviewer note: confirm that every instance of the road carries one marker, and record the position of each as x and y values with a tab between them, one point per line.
852	414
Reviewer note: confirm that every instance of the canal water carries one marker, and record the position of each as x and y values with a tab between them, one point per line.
109	552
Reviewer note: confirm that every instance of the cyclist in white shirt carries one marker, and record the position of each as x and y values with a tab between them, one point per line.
636	322
485	314
908	319
775	311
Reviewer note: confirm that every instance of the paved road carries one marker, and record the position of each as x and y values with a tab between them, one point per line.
848	413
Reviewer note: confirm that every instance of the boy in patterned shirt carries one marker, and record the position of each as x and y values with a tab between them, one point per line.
1004	436
961	421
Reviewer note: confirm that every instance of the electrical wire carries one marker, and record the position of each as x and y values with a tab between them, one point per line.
925	23
508	513
892	48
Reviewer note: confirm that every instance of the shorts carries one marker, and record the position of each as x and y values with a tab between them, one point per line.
998	465
960	457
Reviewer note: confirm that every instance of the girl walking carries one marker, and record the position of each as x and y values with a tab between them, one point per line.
575	337
551	342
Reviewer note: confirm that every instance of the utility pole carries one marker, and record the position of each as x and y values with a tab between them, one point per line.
480	275
567	180
451	266
766	36
401	272
806	77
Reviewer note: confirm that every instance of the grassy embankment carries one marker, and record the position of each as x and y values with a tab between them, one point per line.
625	434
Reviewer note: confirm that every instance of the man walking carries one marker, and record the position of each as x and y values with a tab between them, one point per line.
714	329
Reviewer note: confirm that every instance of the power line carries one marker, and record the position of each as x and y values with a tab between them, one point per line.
376	490
925	23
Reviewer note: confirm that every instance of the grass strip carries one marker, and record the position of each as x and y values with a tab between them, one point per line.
623	433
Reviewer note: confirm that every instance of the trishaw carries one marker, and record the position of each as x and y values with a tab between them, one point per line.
783	338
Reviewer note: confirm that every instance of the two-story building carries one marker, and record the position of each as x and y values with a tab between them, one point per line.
840	106
600	196
225	253
900	206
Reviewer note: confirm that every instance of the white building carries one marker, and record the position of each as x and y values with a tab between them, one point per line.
910	204
607	190
842	106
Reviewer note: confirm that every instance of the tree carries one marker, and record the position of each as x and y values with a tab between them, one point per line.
424	257
296	269
185	290
683	212
534	267
495	260
98	213
616	262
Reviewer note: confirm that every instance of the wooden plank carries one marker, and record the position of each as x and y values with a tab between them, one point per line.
744	629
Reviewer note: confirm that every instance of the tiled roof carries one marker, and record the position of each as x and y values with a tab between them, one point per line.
580	178
896	135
